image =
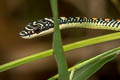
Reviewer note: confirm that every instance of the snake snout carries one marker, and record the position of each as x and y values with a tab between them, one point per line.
22	34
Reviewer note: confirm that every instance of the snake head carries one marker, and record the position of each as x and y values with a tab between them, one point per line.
37	28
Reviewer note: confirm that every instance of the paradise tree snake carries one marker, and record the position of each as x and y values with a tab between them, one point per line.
46	25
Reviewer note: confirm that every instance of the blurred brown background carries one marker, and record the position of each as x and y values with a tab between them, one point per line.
15	14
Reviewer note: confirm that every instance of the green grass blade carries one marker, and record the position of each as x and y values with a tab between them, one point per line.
67	47
57	45
92	41
85	69
24	60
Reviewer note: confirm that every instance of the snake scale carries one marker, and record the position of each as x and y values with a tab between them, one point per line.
46	25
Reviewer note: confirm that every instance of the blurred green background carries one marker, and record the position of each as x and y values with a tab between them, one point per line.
15	14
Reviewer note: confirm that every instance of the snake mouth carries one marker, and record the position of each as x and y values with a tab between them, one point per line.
27	34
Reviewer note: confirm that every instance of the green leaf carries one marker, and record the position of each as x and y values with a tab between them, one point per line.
85	69
25	60
84	72
57	45
67	47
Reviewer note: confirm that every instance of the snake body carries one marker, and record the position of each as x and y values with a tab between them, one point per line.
46	25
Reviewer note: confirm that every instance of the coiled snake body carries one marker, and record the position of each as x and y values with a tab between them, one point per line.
45	26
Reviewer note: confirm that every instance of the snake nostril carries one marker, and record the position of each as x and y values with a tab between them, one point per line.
22	33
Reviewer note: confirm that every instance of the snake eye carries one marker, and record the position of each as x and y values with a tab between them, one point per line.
44	20
37	30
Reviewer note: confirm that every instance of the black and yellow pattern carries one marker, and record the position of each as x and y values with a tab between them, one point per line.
46	25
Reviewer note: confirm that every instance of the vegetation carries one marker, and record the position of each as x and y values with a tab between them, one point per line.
81	71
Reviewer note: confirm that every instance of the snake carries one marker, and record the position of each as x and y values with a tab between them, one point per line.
45	26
